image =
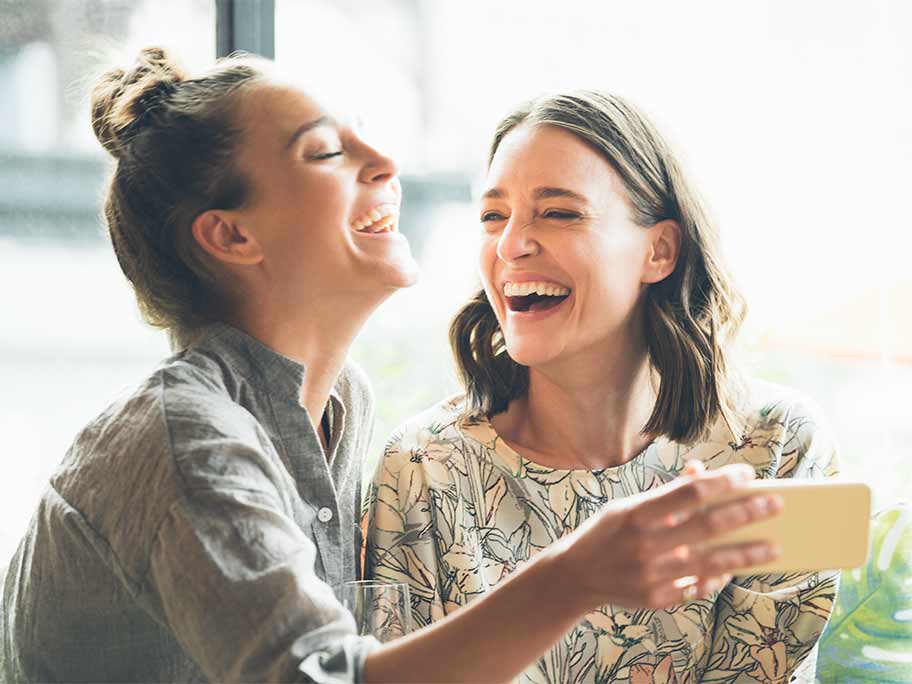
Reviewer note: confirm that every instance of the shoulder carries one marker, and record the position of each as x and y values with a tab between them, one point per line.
779	409
437	425
129	465
177	429
426	447
781	432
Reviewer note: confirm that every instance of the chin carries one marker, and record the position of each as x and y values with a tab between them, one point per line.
401	274
388	279
530	352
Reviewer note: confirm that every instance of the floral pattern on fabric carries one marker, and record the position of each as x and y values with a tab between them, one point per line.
453	511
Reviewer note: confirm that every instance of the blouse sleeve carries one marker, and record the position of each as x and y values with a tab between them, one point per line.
400	544
767	625
232	575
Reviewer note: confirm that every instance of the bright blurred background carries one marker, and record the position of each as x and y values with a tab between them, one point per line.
796	119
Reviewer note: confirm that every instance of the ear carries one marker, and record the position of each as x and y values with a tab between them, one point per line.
664	247
224	239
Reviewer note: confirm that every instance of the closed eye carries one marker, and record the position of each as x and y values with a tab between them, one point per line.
561	215
491	216
326	155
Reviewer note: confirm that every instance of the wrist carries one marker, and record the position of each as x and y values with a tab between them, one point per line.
561	568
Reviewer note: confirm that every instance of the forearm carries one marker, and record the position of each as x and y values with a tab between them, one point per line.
492	639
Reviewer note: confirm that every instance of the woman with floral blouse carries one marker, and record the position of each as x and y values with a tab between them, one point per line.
596	362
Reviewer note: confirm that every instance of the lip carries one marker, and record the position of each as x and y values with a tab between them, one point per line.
535	316
376	206
529	277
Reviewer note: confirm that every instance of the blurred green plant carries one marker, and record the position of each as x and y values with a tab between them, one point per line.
869	635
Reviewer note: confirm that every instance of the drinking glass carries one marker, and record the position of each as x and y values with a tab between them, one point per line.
382	609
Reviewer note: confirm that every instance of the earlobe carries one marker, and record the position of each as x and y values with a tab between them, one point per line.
663	255
224	239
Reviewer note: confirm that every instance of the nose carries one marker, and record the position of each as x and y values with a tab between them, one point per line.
516	241
377	167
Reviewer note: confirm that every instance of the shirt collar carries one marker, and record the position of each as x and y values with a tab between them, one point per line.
278	375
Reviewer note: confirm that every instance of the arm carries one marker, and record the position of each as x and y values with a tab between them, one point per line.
767	625
231	575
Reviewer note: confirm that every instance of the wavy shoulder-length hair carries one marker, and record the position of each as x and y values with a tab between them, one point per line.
691	316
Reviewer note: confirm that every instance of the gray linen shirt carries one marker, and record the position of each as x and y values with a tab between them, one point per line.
195	532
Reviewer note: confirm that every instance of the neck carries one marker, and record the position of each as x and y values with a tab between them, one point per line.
317	334
584	414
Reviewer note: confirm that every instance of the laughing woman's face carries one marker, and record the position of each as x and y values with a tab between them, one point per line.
563	263
324	203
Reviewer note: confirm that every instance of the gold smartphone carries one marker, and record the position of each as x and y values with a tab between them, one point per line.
823	525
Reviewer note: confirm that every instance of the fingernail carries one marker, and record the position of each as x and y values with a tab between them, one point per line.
713	585
774	502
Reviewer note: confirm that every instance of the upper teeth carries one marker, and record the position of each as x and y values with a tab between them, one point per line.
374	215
542	288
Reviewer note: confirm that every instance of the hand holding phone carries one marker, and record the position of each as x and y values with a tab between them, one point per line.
823	525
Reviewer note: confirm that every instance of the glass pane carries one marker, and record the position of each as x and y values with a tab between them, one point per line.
70	335
793	118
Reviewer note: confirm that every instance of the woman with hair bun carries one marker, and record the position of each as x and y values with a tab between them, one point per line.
198	528
596	361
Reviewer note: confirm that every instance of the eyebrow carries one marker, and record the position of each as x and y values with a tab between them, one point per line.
539	193
309	126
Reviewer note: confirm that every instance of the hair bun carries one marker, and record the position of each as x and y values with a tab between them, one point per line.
122	99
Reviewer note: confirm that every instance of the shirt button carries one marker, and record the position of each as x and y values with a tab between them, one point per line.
325	514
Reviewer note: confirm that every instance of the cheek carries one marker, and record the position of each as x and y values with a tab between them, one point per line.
612	270
487	263
487	259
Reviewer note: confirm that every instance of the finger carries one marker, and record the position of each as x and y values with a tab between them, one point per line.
689	589
687	561
688	493
694	467
719	519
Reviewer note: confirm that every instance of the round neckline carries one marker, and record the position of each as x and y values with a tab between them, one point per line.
478	426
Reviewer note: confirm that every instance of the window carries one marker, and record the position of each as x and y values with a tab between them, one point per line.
794	118
70	334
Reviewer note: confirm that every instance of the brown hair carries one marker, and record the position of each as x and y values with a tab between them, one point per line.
691	315
174	142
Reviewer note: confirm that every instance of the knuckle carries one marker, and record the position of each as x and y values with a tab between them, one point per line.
696	492
713	564
706	526
736	516
642	556
638	521
714	523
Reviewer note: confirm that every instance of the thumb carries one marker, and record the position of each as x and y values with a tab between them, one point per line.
694	467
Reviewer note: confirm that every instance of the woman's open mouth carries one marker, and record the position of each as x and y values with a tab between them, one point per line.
382	219
534	296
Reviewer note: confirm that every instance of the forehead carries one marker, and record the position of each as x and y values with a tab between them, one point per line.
533	155
275	110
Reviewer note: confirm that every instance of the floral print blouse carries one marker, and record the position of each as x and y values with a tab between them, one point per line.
453	510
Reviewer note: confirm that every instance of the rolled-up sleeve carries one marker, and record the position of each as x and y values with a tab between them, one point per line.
232	575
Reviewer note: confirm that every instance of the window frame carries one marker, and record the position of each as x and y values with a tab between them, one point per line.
247	25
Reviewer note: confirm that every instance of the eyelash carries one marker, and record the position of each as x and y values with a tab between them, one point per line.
327	155
560	215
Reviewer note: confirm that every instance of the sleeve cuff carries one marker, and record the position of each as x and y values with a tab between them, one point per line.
343	663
